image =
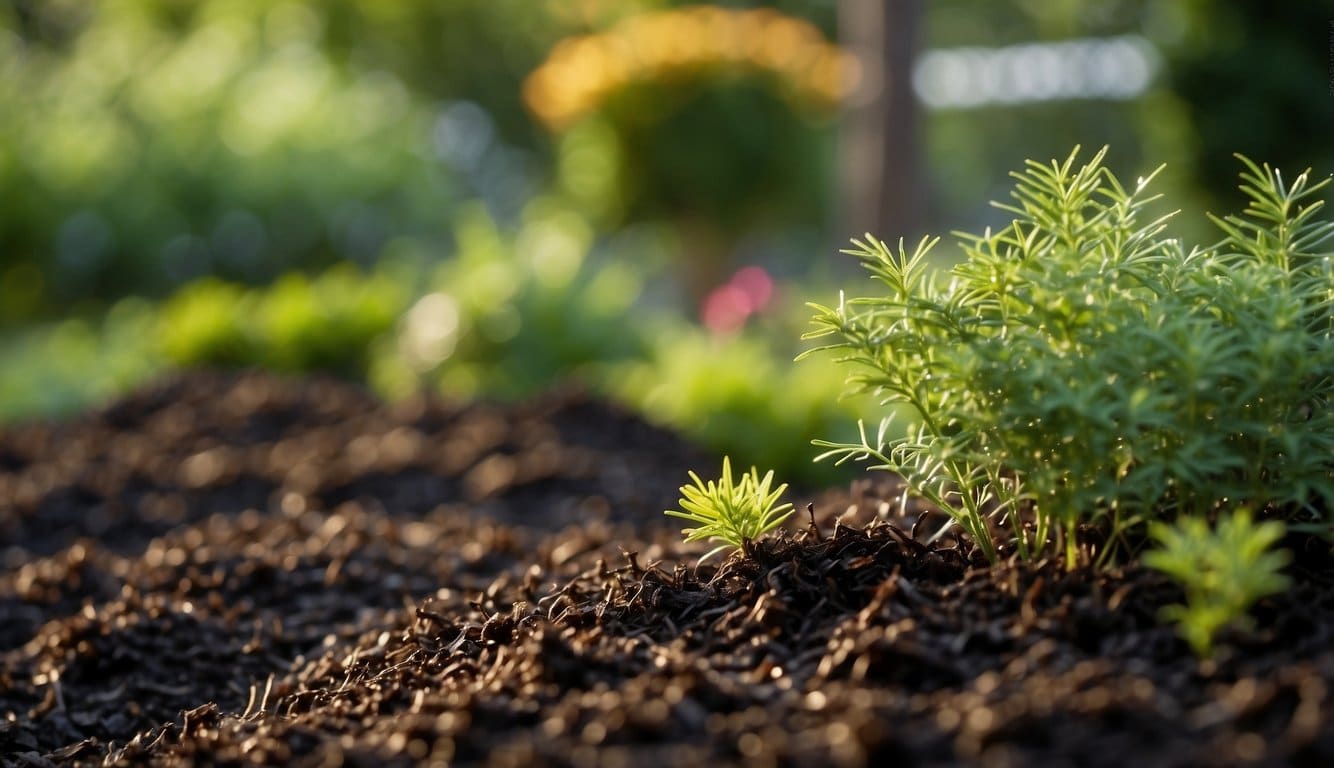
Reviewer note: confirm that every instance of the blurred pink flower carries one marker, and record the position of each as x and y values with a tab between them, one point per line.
756	284
727	308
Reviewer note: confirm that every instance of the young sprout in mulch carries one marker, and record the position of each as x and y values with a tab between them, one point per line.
1223	572
732	512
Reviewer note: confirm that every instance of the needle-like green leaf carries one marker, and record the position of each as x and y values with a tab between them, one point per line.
732	512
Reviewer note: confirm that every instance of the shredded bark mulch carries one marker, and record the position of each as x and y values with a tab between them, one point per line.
242	569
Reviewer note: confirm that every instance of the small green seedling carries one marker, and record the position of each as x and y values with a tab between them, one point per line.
734	513
1223	571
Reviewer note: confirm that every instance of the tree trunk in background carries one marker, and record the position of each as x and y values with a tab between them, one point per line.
881	191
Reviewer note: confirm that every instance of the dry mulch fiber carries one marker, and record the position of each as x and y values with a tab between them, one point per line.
242	569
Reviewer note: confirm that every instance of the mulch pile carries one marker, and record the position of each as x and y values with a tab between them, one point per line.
242	569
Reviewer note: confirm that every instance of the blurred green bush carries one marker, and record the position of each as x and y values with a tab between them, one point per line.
147	143
153	143
716	119
325	323
512	314
50	370
742	396
509	316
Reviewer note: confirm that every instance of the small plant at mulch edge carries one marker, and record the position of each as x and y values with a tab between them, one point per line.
1081	371
734	513
1223	570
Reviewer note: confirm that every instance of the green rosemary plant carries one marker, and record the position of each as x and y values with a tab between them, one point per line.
1080	368
731	512
1223	571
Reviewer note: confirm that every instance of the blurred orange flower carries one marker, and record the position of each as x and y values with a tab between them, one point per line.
581	72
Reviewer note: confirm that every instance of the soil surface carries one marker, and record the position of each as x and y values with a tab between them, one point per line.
243	569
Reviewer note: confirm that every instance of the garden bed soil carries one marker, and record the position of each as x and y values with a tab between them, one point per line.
231	569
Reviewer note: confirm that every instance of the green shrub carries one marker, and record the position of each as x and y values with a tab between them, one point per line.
329	322
1082	368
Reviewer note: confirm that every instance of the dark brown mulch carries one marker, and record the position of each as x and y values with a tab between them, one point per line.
235	569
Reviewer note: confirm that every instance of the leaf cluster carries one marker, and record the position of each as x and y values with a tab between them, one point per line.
1081	367
328	321
722	393
1224	571
732	512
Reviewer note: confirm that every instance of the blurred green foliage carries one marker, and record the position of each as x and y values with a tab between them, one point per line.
509	316
296	324
147	143
742	396
1253	78
515	313
358	186
1246	77
970	152
152	143
716	119
49	370
664	174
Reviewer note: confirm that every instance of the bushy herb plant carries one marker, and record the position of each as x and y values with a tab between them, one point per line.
1081	369
730	511
1223	571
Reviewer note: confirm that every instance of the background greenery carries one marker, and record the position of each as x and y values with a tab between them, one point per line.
359	186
